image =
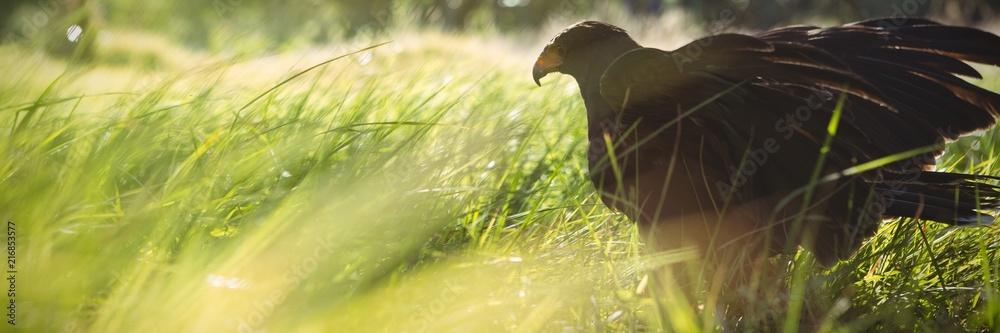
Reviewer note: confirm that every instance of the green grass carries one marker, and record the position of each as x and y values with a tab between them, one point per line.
425	185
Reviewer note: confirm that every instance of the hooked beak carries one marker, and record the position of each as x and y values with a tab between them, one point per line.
547	62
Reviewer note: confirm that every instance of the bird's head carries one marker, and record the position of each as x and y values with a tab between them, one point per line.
575	50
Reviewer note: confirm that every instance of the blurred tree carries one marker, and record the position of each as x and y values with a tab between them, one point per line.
506	15
452	15
520	14
761	14
644	7
213	24
361	15
972	11
63	27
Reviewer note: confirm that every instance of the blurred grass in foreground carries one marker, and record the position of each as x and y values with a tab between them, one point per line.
420	186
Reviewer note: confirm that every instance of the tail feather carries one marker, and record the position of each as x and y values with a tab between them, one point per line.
952	198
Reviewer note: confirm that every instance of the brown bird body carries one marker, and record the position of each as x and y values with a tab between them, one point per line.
739	142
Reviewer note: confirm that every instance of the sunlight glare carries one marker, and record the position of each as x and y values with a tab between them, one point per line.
74	32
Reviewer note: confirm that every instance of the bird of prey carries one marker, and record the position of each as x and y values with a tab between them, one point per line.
797	136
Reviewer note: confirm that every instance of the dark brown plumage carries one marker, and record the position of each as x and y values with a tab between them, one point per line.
718	144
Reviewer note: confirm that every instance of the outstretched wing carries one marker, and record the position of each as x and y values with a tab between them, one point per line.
914	63
899	81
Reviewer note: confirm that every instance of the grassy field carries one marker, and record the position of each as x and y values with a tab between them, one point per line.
422	185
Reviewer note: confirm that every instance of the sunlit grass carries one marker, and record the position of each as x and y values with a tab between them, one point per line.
425	185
